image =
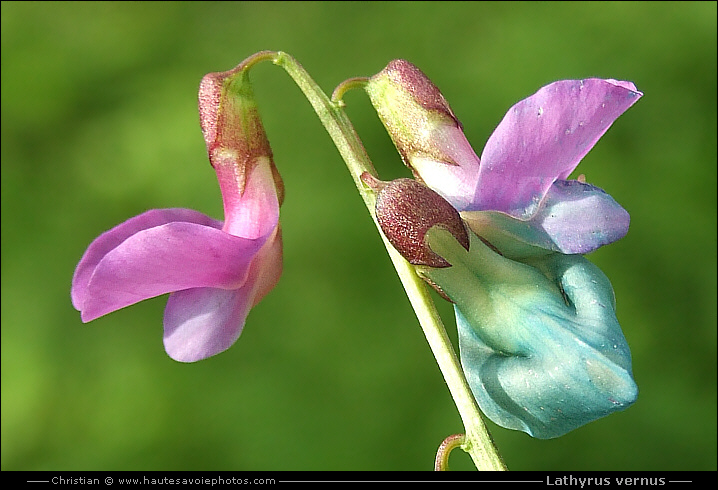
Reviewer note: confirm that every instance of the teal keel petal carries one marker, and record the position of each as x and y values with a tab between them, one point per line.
539	341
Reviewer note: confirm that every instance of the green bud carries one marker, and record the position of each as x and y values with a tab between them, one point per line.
411	108
425	130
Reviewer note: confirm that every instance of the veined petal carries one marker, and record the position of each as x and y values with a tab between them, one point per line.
109	240
202	322
163	259
574	218
580	217
539	341
543	138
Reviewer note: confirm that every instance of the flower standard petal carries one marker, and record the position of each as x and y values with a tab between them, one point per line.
543	138
534	148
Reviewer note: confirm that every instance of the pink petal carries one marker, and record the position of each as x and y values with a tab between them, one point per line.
163	259
114	237
253	212
202	322
268	264
543	138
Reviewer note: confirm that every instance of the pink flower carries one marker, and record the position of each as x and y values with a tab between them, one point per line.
215	272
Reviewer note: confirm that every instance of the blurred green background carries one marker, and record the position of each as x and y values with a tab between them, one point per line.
99	123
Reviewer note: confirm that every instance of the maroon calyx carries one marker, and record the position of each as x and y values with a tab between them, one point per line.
406	209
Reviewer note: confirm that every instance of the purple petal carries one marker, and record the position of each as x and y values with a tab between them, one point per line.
574	218
543	138
581	217
267	267
114	237
202	322
163	259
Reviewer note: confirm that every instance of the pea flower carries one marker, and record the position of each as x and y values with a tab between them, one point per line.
539	340
214	271
519	183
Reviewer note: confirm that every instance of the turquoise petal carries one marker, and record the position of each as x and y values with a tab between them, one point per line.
540	344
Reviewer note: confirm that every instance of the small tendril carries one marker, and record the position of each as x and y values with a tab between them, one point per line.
257	58
442	455
345	86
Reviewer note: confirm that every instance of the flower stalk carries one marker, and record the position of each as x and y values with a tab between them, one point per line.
477	442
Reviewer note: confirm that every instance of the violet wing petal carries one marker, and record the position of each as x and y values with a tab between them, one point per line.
115	236
574	218
580	217
543	138
202	322
163	259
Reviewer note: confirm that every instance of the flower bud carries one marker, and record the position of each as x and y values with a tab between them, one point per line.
406	210
425	130
233	131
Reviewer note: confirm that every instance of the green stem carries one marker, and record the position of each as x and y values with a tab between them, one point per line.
478	442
